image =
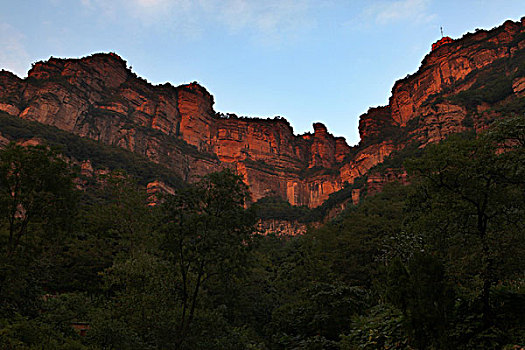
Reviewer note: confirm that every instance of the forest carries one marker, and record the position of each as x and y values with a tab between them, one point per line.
436	264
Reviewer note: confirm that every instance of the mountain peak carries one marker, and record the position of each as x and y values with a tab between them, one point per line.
460	86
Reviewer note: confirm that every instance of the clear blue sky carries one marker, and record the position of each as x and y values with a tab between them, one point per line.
306	60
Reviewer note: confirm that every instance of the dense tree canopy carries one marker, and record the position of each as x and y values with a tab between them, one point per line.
35	194
437	264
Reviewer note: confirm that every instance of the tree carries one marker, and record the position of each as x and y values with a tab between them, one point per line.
382	328
206	235
114	219
420	290
352	247
123	212
36	193
326	279
469	209
37	205
142	312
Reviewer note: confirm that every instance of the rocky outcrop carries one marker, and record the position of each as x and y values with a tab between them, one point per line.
452	68
281	227
99	97
518	86
462	85
366	159
155	191
376	181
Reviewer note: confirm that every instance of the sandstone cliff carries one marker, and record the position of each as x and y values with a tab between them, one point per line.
100	98
422	104
461	85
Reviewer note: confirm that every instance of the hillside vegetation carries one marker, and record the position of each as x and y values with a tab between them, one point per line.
437	264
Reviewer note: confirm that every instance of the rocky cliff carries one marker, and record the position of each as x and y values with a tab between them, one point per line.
98	97
461	85
460	80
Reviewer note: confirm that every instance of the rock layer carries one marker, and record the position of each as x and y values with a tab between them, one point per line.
99	97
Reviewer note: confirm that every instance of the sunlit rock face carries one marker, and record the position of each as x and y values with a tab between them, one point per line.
99	97
446	68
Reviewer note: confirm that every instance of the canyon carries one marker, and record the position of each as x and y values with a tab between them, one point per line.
100	98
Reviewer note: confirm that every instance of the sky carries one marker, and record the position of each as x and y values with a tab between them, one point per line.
306	60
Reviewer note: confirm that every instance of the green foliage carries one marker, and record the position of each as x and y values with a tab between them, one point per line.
277	208
467	122
469	210
143	312
31	334
122	212
116	220
437	264
36	193
491	89
351	249
54	79
396	134
382	328
206	234
420	290
318	316
76	147
386	133
37	198
512	107
177	143
474	193
493	84
434	99
260	165
341	196
318	170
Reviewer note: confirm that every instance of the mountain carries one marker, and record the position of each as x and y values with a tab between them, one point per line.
461	85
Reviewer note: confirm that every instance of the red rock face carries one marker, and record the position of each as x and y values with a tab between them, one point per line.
444	40
375	182
446	67
196	115
100	98
322	149
364	160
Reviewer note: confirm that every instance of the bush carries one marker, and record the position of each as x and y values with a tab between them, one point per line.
382	328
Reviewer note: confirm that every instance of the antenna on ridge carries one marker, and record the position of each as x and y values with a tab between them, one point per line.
441	28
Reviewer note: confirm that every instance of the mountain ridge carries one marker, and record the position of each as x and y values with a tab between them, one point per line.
100	98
